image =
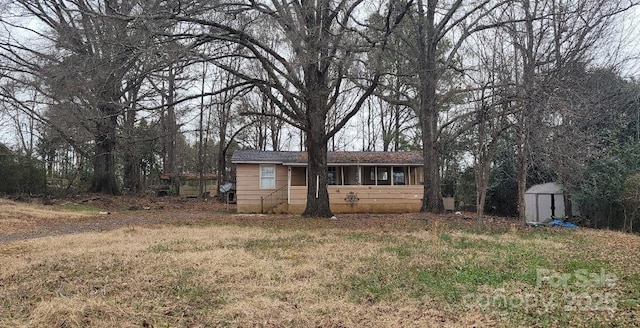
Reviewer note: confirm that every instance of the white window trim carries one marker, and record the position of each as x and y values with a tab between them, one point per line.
274	176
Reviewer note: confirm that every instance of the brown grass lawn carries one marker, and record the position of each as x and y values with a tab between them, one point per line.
226	270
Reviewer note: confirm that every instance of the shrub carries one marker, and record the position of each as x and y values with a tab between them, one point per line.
20	174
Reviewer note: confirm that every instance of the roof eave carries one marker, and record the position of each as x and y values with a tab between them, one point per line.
255	162
361	164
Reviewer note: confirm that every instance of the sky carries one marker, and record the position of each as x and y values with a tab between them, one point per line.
628	36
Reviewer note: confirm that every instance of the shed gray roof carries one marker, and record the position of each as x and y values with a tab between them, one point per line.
545	188
338	157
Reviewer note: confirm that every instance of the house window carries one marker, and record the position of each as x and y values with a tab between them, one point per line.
398	176
351	175
298	176
382	174
332	176
267	177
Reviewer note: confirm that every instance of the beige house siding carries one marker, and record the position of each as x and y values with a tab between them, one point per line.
364	199
248	192
342	198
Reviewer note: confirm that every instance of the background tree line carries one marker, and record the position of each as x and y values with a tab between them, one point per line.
105	95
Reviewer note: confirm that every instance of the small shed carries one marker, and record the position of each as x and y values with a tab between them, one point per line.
544	201
229	191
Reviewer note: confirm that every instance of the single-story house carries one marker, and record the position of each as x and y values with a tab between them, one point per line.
367	182
545	201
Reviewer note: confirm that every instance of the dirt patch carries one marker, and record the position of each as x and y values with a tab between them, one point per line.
136	203
38	217
41	217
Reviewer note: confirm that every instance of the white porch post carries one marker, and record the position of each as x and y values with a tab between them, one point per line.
375	173
391	176
289	186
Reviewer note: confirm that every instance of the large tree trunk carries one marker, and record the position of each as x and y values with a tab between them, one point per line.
481	196
132	177
568	205
316	142
484	153
171	133
524	117
132	181
223	120
275	125
171	128
521	166
432	199
317	193
428	113
481	169
317	109
104	164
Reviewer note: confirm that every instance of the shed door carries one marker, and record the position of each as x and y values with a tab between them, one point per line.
544	206
559	202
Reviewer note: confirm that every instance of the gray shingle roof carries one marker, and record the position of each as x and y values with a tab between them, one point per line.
338	157
250	156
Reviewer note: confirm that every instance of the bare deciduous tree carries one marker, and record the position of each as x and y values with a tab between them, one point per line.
305	73
83	52
427	56
550	37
